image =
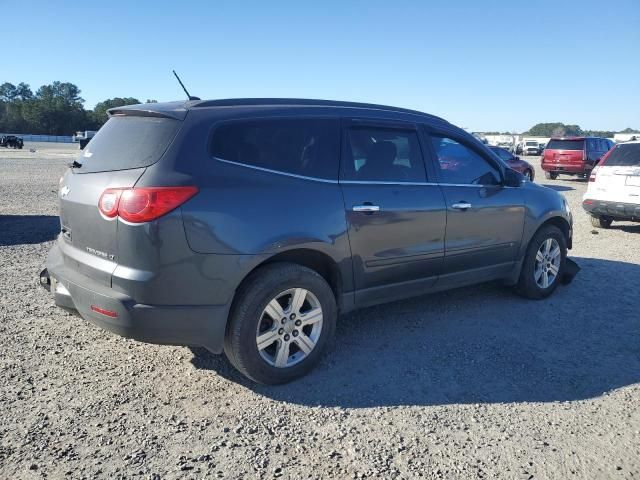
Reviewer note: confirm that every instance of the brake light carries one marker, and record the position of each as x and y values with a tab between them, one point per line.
139	205
592	176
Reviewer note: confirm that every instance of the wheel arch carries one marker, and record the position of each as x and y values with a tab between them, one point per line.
321	263
562	224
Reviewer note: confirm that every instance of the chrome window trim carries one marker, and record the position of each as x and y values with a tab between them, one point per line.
352	182
277	172
379	182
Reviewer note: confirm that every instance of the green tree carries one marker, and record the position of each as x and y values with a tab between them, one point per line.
56	109
554	129
99	114
7	92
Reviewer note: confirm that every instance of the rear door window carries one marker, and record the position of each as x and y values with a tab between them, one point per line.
383	154
565	145
307	147
127	142
624	156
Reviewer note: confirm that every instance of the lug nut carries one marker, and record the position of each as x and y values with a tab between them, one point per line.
292	316
281	331
286	337
298	323
295	333
284	320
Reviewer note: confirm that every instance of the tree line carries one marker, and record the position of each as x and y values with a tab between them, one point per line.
58	109
54	109
558	129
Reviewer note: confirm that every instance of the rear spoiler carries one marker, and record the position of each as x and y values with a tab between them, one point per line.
174	110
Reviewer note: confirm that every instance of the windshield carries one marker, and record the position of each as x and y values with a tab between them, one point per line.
126	142
565	145
624	156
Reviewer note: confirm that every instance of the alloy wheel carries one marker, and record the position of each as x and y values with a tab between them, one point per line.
289	328
547	264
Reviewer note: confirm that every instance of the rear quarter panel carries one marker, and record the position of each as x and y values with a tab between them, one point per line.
242	211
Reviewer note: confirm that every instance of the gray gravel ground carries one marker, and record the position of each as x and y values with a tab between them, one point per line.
473	383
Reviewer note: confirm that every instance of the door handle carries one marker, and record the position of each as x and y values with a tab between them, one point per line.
366	208
461	206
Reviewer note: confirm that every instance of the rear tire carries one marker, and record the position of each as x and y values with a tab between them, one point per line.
287	351
601	222
550	175
528	174
540	263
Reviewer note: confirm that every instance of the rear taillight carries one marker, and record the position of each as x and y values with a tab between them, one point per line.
108	203
592	176
139	205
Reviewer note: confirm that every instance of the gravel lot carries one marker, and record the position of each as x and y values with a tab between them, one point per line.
473	383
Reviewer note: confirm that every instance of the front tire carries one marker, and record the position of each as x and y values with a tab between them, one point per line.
282	319
543	264
528	174
550	175
601	222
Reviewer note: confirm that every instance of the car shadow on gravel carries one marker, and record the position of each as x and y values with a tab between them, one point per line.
479	345
27	229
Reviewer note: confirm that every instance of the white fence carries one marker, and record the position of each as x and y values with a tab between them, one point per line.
42	138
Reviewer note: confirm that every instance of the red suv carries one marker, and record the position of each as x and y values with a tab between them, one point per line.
573	155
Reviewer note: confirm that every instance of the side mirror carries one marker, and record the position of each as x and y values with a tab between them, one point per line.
512	178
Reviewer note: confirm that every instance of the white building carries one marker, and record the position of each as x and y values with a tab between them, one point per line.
625	137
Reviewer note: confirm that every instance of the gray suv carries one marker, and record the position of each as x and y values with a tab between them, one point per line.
247	226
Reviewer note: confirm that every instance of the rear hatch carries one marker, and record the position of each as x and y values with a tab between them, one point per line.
564	152
617	178
116	157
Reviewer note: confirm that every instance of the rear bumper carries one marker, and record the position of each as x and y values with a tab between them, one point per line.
607	208
201	325
567	168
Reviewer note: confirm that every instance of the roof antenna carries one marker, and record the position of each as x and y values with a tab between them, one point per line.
183	87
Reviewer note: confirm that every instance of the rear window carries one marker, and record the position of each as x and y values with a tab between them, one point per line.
565	145
307	147
624	156
532	144
126	142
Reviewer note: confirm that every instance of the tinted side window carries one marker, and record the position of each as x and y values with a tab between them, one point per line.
461	165
309	147
381	154
503	154
592	145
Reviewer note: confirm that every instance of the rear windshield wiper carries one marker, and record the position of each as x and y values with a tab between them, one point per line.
75	164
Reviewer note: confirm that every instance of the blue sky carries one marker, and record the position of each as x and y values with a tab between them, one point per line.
492	65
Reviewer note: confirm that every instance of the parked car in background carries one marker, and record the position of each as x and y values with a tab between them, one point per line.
573	155
246	226
517	149
11	141
613	192
515	162
531	147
